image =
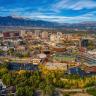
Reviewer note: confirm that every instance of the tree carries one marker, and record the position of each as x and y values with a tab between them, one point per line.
24	91
47	89
11	51
20	91
7	79
1	52
4	65
66	94
29	91
3	71
92	91
35	79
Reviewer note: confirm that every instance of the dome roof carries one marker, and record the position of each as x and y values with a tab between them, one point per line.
42	55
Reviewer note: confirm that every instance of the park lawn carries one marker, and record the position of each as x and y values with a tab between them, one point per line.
64	58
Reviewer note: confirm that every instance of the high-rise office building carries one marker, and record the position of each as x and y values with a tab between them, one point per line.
44	35
84	43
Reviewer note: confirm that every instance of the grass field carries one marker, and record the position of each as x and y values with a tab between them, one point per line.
63	58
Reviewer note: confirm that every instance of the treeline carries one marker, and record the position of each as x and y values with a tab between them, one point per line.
27	82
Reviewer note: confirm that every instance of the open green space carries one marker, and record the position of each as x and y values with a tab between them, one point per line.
63	58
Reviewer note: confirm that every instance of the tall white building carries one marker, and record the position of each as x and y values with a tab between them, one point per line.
37	33
44	35
23	33
53	37
58	37
1	34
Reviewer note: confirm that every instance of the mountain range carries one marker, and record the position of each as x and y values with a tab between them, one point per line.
18	21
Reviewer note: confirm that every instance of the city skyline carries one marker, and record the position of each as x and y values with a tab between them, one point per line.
63	11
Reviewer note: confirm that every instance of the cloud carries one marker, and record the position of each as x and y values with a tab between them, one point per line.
74	5
55	11
62	19
88	4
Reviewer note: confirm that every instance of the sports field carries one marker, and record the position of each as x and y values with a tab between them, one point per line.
63	58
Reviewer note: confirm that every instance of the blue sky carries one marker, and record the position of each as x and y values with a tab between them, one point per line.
70	11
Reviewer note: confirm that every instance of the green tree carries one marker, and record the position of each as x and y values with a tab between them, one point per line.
7	79
20	91
24	91
1	52
29	91
3	71
92	91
